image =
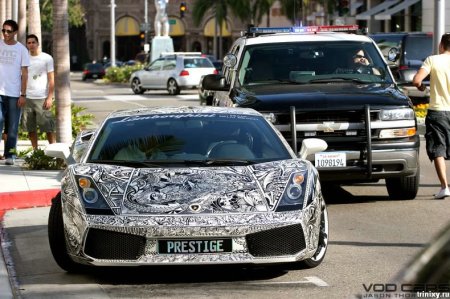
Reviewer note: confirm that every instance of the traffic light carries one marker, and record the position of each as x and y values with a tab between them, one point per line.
142	35
343	7
182	9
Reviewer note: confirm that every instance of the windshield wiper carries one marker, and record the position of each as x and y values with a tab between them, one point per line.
338	79
130	163
228	162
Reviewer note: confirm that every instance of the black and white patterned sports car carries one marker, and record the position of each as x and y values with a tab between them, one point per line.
187	186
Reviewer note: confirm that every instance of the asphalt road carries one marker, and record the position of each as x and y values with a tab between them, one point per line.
371	239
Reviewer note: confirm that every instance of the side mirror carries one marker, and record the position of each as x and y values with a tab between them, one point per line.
393	54
311	146
214	82
59	150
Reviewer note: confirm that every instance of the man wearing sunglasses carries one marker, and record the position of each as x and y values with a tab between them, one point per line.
14	62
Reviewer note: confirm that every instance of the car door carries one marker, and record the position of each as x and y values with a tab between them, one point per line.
151	74
166	72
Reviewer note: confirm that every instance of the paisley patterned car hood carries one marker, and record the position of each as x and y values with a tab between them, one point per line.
193	190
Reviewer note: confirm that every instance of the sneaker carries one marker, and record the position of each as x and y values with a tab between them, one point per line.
9	161
442	193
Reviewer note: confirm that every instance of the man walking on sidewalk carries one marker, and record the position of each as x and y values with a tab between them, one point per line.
437	121
14	62
40	88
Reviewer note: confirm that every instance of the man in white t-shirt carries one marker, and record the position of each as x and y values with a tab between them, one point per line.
14	61
40	88
437	121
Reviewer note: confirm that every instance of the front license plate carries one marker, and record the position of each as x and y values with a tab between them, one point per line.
94	76
330	160
194	246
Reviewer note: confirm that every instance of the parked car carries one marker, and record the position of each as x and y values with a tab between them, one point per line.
187	186
306	81
405	52
93	71
172	72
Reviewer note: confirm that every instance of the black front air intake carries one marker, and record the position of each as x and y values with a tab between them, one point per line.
104	244
281	241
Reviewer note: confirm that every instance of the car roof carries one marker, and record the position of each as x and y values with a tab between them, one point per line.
184	109
305	37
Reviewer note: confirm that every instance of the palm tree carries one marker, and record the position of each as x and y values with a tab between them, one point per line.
22	21
2	10
257	9
62	71
34	18
220	10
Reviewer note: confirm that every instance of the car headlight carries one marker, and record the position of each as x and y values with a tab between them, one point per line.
397	114
294	194
92	200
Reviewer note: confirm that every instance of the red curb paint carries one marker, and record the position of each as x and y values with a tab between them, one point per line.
25	199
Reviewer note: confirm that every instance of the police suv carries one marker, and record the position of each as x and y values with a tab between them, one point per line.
327	82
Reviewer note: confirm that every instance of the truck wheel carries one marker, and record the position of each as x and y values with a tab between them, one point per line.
404	187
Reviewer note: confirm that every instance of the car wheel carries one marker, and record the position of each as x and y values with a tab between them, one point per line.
172	87
83	78
322	246
403	188
56	237
136	86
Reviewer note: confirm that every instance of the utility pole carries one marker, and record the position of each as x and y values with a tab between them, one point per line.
113	33
439	23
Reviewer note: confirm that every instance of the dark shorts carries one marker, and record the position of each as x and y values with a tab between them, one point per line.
437	134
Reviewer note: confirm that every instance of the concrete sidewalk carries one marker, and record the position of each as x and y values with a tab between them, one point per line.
21	188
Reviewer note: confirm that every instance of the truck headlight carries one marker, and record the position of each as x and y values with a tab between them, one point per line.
397	133
397	114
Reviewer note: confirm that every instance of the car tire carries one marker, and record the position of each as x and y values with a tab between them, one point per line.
172	87
403	188
319	255
83	78
56	237
136	86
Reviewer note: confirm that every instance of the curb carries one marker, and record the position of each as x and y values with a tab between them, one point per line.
25	199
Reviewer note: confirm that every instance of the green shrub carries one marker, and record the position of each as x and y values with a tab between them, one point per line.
121	74
37	160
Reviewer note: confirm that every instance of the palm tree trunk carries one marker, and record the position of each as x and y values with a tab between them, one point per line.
22	21
2	10
62	71
34	19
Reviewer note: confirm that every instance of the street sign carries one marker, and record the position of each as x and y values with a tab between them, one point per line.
172	21
145	26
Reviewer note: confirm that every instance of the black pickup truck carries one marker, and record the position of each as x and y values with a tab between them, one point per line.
333	86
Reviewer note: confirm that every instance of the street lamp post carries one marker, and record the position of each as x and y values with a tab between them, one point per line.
113	33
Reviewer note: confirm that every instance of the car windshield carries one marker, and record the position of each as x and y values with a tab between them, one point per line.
187	139
313	62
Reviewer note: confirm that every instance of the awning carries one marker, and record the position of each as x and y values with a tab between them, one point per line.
354	5
210	28
386	15
127	26
176	27
376	9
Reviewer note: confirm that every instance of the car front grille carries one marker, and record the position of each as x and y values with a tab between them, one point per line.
287	240
104	244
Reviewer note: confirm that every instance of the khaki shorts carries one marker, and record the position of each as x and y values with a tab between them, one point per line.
34	115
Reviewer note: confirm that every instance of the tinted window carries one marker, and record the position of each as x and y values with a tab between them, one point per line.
417	48
188	137
197	62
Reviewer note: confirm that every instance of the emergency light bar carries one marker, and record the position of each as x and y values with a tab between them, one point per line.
335	28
